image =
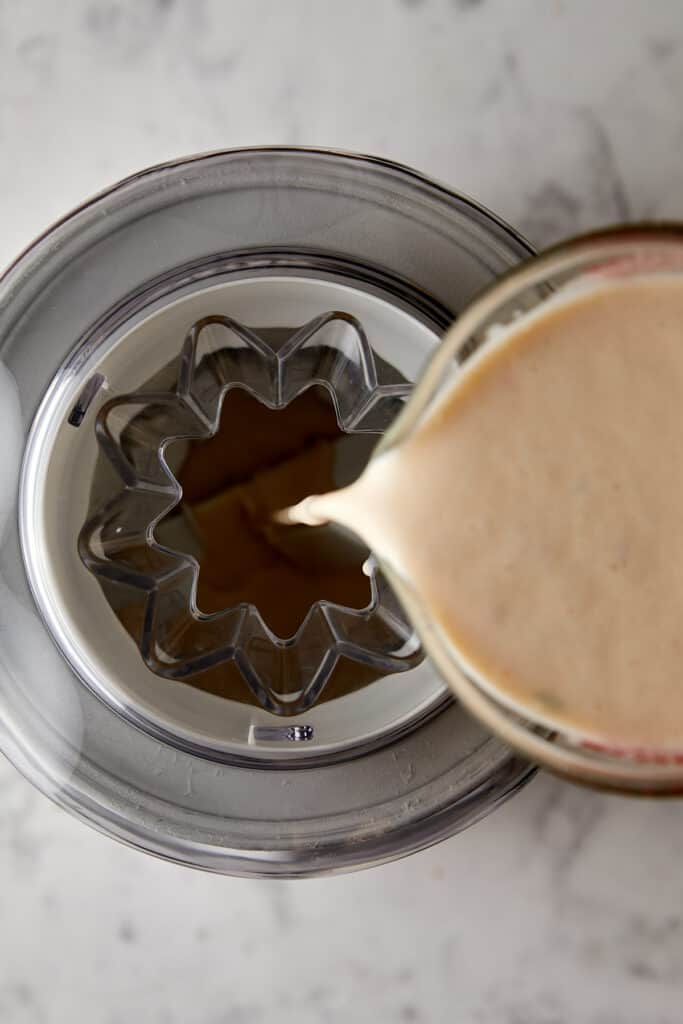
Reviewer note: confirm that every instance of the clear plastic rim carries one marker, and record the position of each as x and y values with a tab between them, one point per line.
361	158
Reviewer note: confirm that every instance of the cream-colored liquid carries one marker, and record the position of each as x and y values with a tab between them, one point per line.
538	513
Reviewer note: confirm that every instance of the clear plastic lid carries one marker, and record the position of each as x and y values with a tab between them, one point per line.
273	239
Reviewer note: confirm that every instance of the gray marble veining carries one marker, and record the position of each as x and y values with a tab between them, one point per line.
565	907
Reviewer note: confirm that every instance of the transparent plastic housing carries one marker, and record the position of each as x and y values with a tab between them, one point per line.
200	780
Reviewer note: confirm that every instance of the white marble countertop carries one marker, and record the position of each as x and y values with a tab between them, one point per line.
564	907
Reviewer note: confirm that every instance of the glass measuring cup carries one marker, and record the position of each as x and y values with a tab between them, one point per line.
623	252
